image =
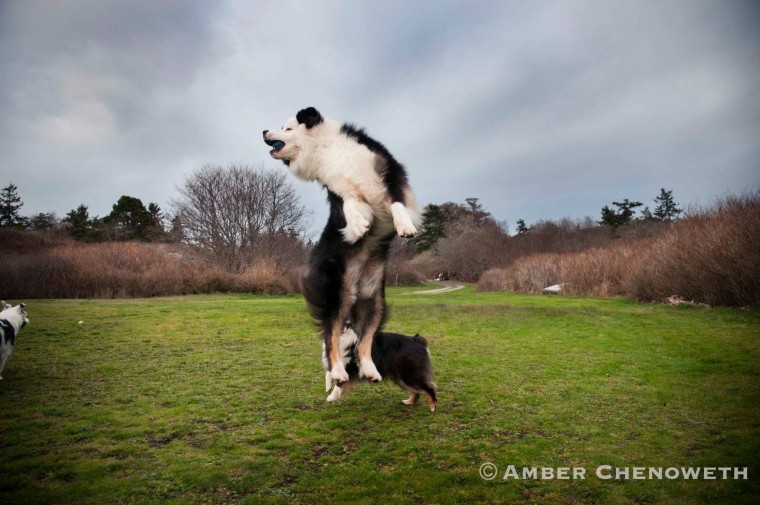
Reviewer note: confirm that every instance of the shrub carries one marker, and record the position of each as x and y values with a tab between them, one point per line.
712	256
37	266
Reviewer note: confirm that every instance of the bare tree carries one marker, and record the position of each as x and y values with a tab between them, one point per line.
238	214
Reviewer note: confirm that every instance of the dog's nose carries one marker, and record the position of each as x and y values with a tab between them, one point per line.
265	132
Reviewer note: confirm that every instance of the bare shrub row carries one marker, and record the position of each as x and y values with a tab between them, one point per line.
712	256
68	269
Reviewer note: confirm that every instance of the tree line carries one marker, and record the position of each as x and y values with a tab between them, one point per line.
463	240
231	214
128	220
236	215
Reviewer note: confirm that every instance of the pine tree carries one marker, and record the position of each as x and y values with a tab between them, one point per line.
522	227
476	210
626	209
79	224
623	214
43	221
666	209
157	215
131	218
432	229
10	203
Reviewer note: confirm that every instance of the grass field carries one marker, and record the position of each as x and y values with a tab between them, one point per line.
219	399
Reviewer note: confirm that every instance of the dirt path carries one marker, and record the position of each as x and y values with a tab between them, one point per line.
446	287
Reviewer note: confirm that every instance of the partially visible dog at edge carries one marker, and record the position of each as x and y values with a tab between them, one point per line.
370	202
404	360
12	319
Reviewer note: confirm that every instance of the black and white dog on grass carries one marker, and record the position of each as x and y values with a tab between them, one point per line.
12	319
370	202
404	360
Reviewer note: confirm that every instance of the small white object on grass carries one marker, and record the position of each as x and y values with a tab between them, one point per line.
552	290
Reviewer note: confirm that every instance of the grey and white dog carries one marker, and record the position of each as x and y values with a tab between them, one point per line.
12	319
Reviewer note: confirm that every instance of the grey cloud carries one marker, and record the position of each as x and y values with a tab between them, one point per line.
541	109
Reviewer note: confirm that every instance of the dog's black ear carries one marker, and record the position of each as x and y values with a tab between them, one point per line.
309	117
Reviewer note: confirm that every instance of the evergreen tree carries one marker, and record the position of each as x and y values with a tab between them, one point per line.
521	227
666	209
157	215
646	214
625	209
130	218
476	210
610	217
43	221
78	223
10	203
432	229
623	214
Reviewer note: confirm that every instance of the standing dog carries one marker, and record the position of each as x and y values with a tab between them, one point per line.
12	319
405	360
370	202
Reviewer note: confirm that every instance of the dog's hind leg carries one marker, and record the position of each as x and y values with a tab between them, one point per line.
413	397
348	297
371	325
337	370
369	314
429	390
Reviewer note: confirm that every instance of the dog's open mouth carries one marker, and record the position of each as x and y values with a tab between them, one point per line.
276	144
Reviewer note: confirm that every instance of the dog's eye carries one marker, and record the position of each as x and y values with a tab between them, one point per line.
288	129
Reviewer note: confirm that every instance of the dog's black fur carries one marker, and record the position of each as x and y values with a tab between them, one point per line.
346	278
400	358
324	288
406	361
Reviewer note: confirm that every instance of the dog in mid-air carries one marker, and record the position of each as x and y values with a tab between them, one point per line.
370	203
12	319
404	360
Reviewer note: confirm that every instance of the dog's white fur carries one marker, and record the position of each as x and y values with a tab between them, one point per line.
319	149
348	340
346	168
16	317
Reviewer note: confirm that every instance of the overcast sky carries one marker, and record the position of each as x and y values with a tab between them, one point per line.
540	109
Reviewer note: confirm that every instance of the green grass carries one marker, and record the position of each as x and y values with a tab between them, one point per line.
219	399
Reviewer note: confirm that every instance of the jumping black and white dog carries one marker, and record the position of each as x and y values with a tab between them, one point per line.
370	202
12	319
404	360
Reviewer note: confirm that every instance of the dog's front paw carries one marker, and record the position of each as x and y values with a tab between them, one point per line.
335	395
328	382
411	400
355	229
406	231
402	221
338	374
367	370
358	216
